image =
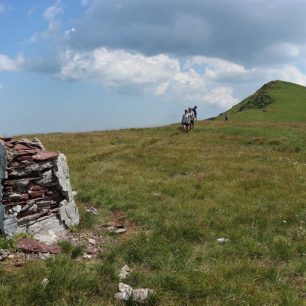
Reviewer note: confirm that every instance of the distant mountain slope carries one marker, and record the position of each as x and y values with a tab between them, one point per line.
276	100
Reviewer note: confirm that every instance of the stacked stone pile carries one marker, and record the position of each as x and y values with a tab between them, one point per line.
36	194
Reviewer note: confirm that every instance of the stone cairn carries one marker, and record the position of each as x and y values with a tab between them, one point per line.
35	191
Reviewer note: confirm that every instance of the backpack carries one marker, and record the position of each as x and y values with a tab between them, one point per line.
186	118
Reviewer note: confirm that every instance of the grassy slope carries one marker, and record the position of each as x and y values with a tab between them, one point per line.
243	181
289	104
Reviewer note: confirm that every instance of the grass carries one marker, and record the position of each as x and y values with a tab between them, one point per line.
245	181
284	102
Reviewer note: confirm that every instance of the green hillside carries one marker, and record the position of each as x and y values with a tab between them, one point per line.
179	193
275	101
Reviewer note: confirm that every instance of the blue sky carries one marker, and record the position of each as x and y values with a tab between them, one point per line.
71	65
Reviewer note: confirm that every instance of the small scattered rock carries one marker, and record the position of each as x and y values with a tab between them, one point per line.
92	241
223	240
45	282
140	295
4	254
124	272
126	292
92	210
118	229
87	256
44	256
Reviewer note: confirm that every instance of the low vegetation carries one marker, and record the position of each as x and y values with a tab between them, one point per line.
240	180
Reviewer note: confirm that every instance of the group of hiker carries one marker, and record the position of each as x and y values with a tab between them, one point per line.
188	119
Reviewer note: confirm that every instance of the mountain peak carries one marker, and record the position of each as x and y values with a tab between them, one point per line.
277	100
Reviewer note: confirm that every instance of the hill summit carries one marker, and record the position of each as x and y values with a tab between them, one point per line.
276	100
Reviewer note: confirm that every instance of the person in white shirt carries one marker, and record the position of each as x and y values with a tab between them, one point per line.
186	121
191	118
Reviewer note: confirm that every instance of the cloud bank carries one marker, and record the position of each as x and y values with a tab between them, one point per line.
201	52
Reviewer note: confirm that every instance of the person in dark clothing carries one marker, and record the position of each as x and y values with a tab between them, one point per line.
195	113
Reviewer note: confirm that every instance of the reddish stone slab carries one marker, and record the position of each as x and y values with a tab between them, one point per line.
21	147
45	155
10	144
36	194
29	245
37	188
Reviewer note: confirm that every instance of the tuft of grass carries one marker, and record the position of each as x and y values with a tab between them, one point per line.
73	251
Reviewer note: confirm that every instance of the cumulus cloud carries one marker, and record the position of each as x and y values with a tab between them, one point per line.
52	12
160	75
197	79
10	64
116	67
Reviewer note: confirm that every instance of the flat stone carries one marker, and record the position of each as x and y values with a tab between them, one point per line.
45	155
47	230
120	231
21	147
87	256
29	245
223	240
126	292
69	213
10	225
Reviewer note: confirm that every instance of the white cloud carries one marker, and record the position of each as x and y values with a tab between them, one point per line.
32	10
2	8
69	31
52	12
288	73
161	75
1	87
9	64
115	68
215	67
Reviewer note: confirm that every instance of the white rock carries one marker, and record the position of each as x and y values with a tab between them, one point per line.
91	241
45	282
124	272
92	210
17	208
223	240
140	295
123	296
120	231
87	256
44	256
125	288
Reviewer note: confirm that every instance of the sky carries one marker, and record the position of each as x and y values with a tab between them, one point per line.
82	65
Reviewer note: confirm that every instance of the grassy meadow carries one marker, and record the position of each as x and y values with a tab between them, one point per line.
244	181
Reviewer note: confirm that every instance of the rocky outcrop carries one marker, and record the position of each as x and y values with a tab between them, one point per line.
35	191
